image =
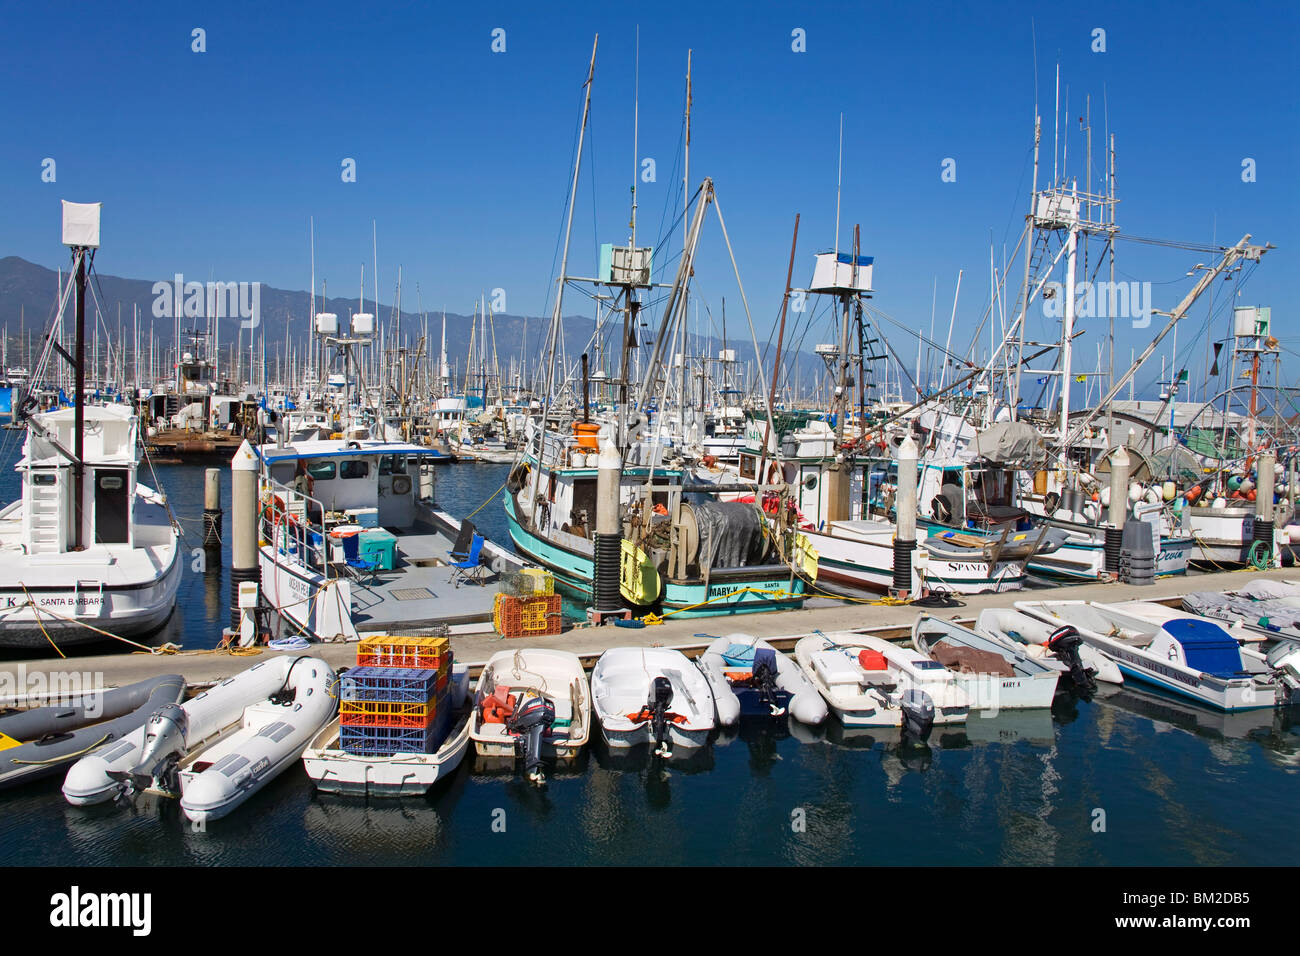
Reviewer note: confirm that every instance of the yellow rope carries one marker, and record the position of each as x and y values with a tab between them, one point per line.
489	501
79	753
39	622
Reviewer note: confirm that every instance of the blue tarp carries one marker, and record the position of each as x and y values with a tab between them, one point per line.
1209	648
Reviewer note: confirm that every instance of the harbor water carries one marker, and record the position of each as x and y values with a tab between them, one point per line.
1130	778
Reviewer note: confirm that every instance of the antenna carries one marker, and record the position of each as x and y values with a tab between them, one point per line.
1056	127
839	179
636	128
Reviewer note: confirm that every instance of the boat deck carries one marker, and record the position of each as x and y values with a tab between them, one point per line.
420	591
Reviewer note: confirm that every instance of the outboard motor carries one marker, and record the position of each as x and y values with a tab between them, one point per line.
531	717
764	679
661	698
164	742
1284	658
918	713
1064	643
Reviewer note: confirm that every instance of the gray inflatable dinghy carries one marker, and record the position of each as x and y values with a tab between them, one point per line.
43	740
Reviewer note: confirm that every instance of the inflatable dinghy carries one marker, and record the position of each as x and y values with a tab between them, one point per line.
218	749
41	741
651	695
750	677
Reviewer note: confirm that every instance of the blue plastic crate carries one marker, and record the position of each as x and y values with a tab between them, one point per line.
406	685
386	741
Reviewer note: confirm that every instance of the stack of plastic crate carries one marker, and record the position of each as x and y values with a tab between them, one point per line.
396	700
527	617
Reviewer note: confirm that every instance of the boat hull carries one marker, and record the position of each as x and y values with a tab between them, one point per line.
133	610
401	775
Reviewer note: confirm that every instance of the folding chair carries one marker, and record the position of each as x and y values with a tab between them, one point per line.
463	540
468	567
352	558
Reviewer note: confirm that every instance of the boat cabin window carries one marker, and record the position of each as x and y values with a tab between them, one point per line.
353	468
321	470
748	466
392	465
45	479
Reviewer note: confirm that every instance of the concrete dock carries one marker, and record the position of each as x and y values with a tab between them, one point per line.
201	668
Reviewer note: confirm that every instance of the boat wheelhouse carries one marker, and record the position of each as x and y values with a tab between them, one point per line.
109	559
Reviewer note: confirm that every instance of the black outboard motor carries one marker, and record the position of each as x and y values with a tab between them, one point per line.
1064	643
918	713
533	715
764	679
661	698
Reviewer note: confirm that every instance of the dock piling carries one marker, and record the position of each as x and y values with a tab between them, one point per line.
1120	465
212	508
905	517
243	543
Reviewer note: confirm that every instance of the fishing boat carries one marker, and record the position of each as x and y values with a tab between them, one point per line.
352	541
219	748
750	678
992	675
87	552
402	774
1191	657
530	704
869	682
39	741
651	695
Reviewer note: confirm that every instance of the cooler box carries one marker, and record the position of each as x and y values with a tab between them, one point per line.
365	517
336	537
378	546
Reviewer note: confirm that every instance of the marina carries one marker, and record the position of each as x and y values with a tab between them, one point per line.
669	461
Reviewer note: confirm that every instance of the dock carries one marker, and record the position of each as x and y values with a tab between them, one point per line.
202	668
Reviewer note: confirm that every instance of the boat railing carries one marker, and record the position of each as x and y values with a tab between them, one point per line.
291	521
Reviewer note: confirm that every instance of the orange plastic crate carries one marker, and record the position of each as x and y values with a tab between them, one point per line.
386	650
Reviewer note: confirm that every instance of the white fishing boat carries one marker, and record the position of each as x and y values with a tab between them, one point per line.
113	563
86	550
333	770
651	695
993	676
751	678
1191	657
531	703
219	748
869	682
1044	642
352	541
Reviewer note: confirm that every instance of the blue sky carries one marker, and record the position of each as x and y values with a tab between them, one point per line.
210	163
